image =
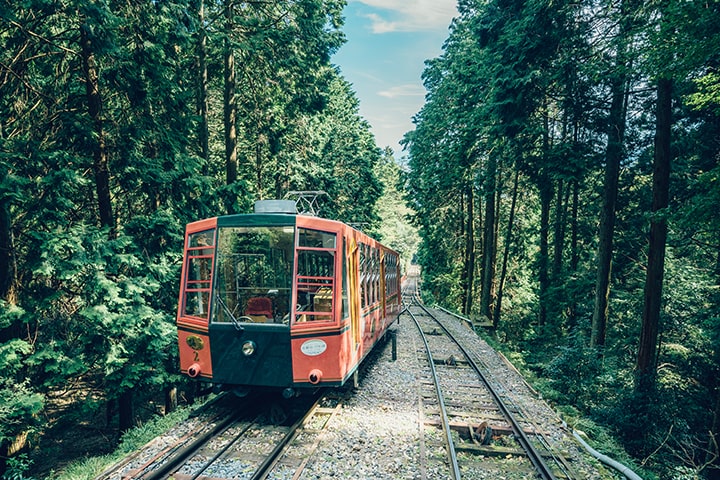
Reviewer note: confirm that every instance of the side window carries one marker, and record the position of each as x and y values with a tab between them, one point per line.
369	275
198	274
363	276
316	253
391	277
376	275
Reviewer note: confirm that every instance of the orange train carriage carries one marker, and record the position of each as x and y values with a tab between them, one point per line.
282	301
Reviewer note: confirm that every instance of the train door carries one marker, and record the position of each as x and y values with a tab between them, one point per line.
194	303
315	278
352	262
251	301
316	337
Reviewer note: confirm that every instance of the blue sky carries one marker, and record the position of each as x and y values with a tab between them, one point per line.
388	42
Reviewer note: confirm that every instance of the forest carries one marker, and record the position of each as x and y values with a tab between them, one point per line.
563	176
120	122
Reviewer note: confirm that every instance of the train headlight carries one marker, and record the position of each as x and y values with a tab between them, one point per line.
248	348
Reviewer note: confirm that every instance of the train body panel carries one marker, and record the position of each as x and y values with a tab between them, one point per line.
320	358
282	300
195	353
270	364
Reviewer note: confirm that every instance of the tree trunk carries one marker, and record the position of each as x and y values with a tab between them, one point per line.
645	371
572	320
126	411
203	108
469	266
8	265
259	174
230	109
490	242
8	269
479	246
714	440
100	159
559	229
506	253
574	227
546	194
462	225
170	399
613	157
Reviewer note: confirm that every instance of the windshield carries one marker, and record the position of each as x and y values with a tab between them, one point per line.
253	274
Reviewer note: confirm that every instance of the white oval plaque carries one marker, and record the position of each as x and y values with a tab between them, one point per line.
313	348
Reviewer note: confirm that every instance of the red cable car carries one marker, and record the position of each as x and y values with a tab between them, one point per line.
281	300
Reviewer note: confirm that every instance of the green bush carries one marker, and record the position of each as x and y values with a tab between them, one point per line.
575	371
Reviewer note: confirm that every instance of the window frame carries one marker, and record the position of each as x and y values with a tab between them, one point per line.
194	253
318	282
237	311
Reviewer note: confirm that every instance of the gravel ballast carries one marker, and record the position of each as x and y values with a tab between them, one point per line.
381	431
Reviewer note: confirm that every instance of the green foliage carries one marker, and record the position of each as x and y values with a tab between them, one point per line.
17	467
343	160
20	402
707	96
90	311
395	230
116	324
519	98
130	442
577	372
604	441
86	469
137	437
19	406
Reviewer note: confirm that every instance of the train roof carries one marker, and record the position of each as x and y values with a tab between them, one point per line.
278	219
278	213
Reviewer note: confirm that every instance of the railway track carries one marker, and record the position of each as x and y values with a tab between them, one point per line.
391	427
238	442
477	418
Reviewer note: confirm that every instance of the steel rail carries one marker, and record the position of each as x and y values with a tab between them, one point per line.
542	468
273	457
455	468
219	454
183	453
560	461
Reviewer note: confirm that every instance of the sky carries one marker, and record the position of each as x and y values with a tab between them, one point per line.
387	44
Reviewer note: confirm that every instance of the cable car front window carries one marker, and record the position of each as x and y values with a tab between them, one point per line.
253	274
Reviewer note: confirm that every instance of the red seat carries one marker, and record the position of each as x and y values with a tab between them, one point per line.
259	306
